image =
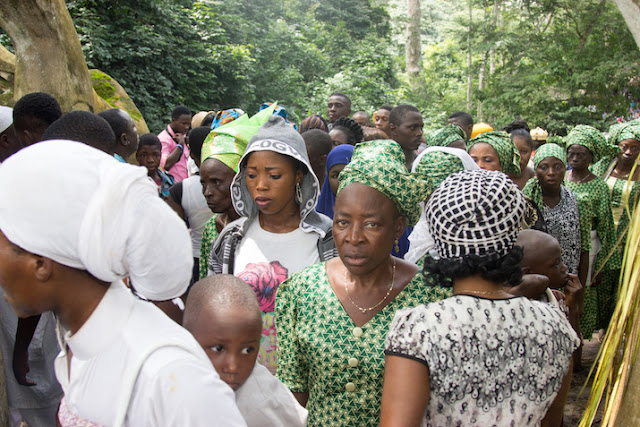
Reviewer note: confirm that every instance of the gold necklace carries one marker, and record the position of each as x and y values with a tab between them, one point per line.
582	180
364	310
479	292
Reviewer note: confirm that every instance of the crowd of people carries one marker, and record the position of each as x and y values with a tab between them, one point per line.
341	271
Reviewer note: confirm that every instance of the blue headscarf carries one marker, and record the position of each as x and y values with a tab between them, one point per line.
340	155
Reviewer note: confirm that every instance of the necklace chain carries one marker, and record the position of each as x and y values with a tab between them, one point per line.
365	310
471	291
582	180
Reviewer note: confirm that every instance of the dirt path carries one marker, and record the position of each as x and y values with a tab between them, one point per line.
576	402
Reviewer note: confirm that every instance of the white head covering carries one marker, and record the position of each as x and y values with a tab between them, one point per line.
82	208
420	240
6	118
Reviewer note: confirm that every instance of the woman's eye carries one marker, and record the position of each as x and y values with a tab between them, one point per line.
276	176
216	348
251	176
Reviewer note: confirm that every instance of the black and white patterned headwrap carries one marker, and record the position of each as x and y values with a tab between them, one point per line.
475	213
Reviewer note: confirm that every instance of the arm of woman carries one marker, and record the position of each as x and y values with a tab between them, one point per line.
292	367
405	394
554	415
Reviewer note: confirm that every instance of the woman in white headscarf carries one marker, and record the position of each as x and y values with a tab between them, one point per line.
67	247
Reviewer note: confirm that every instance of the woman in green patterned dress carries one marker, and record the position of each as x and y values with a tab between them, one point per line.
333	317
585	146
624	189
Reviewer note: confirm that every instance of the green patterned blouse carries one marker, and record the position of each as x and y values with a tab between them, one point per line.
594	206
322	352
209	235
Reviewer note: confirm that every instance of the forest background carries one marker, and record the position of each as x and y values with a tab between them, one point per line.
554	63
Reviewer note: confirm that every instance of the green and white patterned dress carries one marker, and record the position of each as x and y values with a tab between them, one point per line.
209	235
594	206
322	352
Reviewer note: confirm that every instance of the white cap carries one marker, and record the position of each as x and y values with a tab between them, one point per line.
6	117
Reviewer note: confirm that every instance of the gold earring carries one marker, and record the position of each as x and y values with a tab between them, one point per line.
396	246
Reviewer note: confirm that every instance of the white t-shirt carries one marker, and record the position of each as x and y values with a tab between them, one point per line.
264	260
175	386
265	402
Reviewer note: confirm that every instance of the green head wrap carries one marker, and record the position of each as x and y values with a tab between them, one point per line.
593	140
549	150
437	166
445	136
504	146
228	142
620	132
381	165
532	189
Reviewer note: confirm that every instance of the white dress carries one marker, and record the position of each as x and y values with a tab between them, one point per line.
491	362
133	365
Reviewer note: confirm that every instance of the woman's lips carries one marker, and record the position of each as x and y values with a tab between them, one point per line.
262	202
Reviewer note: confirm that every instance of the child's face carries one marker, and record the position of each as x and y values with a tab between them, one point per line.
553	267
231	339
149	157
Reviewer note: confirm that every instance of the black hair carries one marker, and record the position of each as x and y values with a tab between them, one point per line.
36	105
116	120
463	117
149	139
515	125
85	127
179	111
342	95
386	107
524	134
351	128
196	139
397	115
208	119
318	139
505	269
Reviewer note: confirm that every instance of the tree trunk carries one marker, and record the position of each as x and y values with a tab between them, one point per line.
48	53
412	51
492	51
630	10
483	65
469	76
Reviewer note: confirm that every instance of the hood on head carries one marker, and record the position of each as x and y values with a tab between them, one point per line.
277	136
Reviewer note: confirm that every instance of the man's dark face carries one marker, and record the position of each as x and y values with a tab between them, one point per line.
409	132
181	124
337	107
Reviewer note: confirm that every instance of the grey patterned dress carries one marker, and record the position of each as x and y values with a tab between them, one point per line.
491	362
563	223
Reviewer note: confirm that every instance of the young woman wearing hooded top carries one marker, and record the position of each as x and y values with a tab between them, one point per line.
279	232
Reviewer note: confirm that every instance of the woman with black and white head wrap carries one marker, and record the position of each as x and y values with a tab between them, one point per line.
66	248
474	357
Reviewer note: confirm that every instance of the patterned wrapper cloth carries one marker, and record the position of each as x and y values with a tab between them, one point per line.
504	146
445	136
381	165
593	140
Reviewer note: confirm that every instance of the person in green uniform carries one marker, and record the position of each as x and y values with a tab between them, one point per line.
333	317
622	177
585	146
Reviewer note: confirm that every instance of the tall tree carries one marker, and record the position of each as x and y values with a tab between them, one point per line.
413	52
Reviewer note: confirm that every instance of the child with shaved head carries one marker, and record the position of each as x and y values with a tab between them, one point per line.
223	315
542	255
